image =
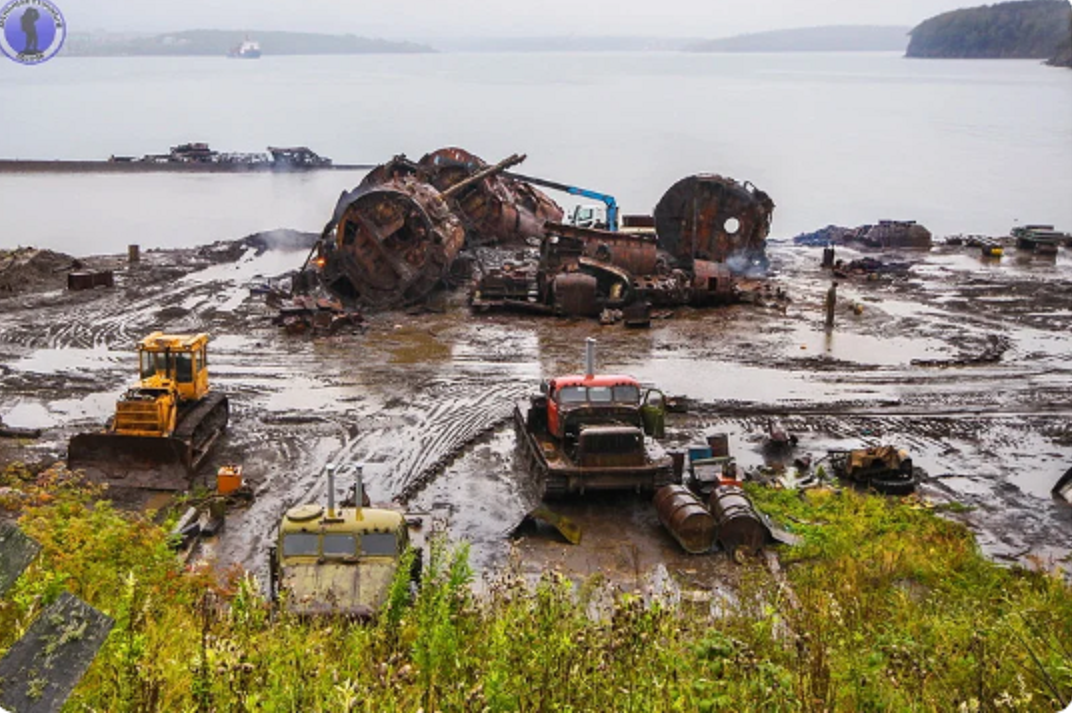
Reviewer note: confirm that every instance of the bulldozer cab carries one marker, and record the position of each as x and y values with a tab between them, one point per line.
179	362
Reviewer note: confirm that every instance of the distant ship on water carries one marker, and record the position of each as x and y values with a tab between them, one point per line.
247	50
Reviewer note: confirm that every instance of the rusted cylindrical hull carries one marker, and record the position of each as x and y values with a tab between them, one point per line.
710	217
496	208
685	517
635	253
738	525
393	243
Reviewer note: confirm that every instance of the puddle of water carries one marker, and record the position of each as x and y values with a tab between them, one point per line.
29	415
964	484
71	359
32	414
722	381
268	264
864	349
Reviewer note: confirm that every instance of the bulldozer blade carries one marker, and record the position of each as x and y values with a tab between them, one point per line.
149	462
569	530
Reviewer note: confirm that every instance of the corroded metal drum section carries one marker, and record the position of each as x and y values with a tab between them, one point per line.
710	217
739	526
685	517
576	294
496	208
635	253
393	243
712	283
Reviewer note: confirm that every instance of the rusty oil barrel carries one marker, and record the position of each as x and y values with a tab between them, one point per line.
720	444
738	525
685	517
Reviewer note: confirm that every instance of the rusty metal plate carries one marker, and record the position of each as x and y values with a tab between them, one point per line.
39	672
17	551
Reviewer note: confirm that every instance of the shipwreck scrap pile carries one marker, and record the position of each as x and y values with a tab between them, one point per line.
884	234
402	232
707	230
395	237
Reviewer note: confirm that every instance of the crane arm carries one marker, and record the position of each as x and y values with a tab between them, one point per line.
611	203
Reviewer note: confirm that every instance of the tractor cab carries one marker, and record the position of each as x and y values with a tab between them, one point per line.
338	560
178	361
587	400
173	369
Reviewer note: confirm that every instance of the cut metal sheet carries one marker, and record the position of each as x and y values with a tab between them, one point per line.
17	551
39	672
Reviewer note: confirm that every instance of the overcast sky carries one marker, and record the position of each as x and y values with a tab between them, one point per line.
422	19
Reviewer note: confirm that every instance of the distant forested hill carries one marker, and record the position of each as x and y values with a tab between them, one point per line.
834	38
1034	29
1063	56
218	42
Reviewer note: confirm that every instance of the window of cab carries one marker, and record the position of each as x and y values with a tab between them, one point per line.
301	544
618	394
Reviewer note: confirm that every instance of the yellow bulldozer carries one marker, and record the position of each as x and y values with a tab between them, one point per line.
164	426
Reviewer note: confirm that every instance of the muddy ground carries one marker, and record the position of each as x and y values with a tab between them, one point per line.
424	400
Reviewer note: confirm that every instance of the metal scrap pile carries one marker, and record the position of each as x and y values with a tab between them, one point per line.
884	234
394	238
708	230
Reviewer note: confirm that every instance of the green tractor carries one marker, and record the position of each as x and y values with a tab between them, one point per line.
338	560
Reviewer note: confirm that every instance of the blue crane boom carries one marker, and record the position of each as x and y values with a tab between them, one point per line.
611	203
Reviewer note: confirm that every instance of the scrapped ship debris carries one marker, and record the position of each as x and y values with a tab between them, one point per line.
305	314
884	234
585	272
885	469
198	153
778	438
869	267
396	237
494	208
390	244
716	218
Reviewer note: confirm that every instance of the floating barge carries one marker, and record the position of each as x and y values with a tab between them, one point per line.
195	157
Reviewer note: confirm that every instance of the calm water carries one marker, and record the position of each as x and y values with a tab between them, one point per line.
962	146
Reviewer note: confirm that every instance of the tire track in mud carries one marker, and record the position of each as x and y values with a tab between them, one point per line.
462	411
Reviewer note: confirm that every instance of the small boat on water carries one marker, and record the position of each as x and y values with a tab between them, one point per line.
247	50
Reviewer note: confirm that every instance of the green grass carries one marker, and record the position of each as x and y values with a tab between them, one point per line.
884	607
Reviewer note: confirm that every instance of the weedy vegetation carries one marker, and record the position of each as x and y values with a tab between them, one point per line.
885	606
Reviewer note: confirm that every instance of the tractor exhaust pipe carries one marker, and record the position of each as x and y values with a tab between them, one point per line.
359	486
589	357
331	490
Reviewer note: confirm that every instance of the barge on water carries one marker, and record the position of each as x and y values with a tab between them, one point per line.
194	157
